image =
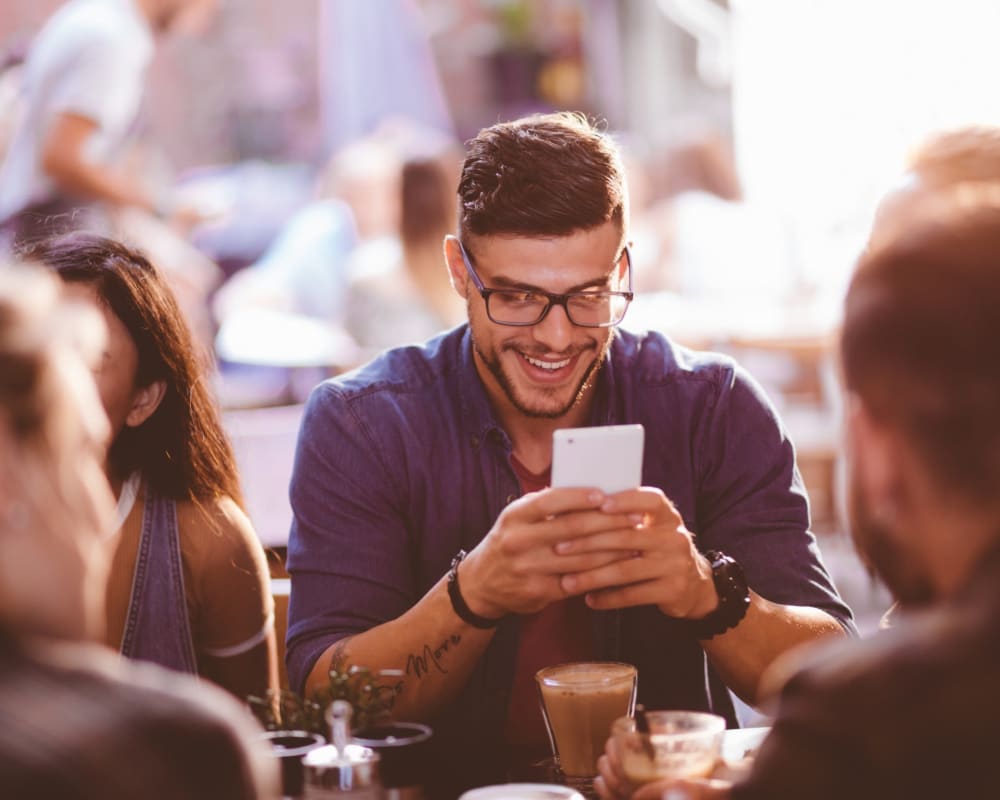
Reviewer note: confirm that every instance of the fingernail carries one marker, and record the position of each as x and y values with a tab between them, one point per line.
635	519
562	547
568	583
595	497
609	505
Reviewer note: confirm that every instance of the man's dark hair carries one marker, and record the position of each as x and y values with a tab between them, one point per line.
544	175
920	343
181	449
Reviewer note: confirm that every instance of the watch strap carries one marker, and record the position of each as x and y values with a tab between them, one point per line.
734	598
458	603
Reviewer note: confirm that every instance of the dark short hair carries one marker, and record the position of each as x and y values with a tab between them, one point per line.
543	175
919	343
181	450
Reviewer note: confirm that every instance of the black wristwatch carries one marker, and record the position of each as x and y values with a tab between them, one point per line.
734	598
458	602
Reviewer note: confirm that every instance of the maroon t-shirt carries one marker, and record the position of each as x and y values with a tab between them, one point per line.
557	634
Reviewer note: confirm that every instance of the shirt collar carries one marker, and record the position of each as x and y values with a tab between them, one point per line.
478	418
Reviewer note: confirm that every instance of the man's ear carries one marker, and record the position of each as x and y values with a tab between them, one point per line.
624	265
144	402
457	274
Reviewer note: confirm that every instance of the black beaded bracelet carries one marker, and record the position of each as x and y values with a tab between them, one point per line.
458	602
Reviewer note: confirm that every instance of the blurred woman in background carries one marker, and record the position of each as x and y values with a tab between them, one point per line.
75	722
189	584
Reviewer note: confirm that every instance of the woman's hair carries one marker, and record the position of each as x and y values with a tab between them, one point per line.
919	342
544	175
181	450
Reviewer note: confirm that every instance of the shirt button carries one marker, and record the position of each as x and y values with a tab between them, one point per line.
475	441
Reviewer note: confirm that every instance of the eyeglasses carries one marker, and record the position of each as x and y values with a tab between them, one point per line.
523	307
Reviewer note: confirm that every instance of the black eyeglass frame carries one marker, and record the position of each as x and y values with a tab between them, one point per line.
552	298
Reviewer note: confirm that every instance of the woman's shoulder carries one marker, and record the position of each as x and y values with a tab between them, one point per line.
218	531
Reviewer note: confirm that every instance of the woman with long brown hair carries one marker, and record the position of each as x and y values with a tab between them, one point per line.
189	583
77	722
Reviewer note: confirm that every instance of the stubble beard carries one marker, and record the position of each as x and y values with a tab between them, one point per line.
879	548
507	383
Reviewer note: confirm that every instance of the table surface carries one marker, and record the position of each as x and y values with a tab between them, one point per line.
736	742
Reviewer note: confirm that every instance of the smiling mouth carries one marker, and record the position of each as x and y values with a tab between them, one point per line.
547	365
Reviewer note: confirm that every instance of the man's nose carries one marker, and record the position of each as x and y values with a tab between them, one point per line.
555	331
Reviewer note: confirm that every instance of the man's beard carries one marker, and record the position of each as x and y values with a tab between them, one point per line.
879	549
496	369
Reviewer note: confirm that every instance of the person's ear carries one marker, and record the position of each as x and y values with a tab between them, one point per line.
144	402
624	265
457	274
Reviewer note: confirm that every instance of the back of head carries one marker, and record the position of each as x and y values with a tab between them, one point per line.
544	175
920	343
181	449
958	156
954	166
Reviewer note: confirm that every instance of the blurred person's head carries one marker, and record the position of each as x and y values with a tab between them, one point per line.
365	175
427	201
55	505
960	165
164	421
921	364
542	211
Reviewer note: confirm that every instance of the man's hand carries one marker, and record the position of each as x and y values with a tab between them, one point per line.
665	570
516	568
612	784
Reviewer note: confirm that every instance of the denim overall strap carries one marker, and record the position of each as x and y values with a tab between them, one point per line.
157	628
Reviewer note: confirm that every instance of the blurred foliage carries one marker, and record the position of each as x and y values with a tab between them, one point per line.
371	695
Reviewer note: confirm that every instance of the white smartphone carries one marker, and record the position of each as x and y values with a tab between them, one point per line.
608	457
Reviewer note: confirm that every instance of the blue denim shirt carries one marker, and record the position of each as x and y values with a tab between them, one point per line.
402	463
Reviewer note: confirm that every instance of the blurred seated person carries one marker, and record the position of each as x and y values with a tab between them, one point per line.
78	722
913	712
949	166
407	298
305	270
189	586
702	237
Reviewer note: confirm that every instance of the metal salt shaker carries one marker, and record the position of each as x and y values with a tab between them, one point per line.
342	769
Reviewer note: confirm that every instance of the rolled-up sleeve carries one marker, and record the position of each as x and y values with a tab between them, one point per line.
752	503
348	547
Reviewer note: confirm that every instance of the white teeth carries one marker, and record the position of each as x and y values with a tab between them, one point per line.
550	365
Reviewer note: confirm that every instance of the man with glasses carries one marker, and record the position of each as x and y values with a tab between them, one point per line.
426	538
